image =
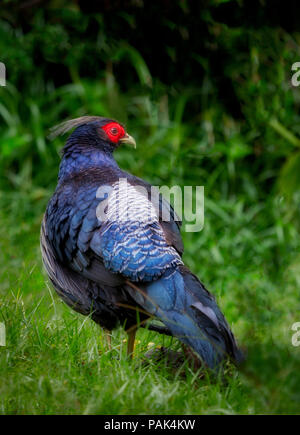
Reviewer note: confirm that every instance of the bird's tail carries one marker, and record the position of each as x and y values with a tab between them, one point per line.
190	312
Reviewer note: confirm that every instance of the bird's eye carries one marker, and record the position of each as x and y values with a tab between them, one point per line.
114	131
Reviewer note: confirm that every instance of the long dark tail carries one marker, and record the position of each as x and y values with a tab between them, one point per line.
190	312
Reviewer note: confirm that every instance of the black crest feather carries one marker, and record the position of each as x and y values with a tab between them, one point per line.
66	126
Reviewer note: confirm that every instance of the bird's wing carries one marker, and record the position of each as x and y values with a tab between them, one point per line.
168	219
79	249
131	240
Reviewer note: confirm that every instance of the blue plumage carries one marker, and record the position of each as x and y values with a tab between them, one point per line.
130	262
130	249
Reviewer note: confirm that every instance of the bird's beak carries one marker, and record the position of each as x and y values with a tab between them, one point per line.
129	140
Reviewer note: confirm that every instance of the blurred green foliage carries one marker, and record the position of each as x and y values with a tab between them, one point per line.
215	94
205	89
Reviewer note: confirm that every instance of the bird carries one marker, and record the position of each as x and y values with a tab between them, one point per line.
110	255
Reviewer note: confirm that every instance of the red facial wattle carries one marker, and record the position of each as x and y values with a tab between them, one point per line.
114	131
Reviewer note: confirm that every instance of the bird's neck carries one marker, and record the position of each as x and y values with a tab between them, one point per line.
79	160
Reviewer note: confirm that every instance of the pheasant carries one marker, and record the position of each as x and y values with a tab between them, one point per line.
110	254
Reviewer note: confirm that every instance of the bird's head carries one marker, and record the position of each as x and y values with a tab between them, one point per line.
93	132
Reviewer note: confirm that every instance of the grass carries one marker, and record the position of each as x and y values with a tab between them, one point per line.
56	362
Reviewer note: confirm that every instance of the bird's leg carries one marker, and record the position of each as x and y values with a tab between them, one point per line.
131	332
108	338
